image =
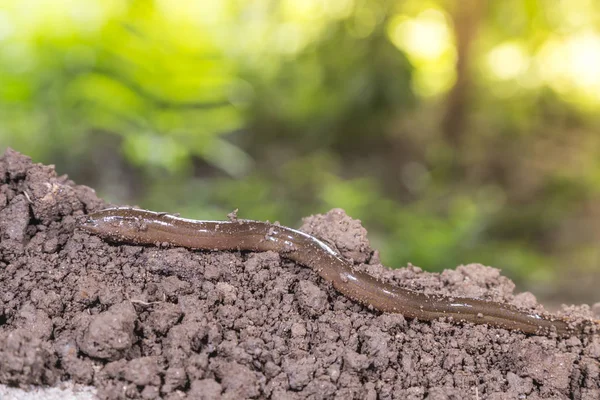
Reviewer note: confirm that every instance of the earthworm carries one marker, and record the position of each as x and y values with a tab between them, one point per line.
135	226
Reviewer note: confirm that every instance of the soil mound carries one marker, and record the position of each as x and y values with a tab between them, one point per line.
146	322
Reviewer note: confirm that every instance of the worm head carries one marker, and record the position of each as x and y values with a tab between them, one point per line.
116	224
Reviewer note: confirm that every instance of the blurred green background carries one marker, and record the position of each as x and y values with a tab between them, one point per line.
457	131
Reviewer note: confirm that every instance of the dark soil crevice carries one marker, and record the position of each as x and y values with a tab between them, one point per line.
146	322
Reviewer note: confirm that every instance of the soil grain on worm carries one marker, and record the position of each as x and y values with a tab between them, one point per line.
169	323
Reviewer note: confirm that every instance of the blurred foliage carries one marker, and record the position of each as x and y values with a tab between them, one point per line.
457	131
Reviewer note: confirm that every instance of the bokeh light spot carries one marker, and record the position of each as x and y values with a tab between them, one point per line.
339	8
289	38
507	61
364	22
6	27
428	42
584	55
424	37
571	65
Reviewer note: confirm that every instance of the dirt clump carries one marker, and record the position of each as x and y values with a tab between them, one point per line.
170	323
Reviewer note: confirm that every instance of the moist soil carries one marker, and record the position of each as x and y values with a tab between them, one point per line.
170	323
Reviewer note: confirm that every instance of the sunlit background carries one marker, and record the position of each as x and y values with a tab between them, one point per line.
457	131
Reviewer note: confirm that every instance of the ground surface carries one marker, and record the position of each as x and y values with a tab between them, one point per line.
145	322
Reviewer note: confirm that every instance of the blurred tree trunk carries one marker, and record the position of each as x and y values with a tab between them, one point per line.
466	17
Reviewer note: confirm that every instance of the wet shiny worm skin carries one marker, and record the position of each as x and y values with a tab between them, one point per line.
128	225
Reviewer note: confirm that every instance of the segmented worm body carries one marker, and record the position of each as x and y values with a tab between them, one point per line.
136	226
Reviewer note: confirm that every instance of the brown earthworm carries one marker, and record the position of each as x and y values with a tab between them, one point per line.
136	226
